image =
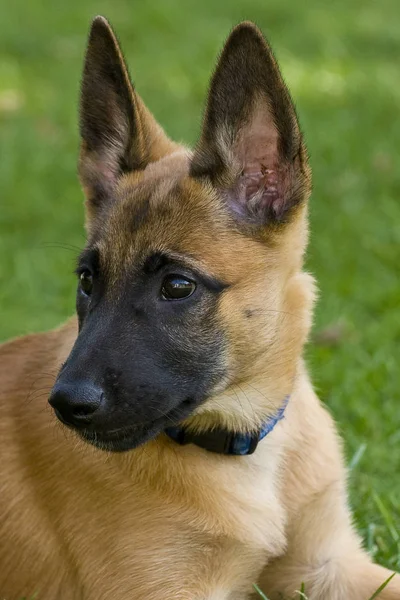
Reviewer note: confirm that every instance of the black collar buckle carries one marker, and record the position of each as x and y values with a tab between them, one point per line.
218	441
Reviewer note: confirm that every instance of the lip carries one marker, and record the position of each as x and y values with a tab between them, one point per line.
123	439
129	438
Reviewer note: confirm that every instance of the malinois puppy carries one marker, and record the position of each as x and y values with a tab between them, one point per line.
221	469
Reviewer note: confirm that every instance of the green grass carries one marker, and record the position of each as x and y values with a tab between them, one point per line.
341	60
301	595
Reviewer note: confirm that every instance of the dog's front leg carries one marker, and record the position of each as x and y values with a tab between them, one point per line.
352	577
325	554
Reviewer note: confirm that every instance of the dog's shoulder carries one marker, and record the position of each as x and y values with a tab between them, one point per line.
24	357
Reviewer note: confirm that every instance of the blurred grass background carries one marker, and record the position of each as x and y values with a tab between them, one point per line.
342	63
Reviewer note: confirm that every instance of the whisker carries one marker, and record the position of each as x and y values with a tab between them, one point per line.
61	245
238	400
249	401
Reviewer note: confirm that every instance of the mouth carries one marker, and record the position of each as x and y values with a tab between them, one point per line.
123	439
130	437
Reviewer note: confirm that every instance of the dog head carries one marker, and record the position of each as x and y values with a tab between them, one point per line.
190	288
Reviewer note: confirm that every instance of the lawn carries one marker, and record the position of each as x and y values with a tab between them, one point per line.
341	60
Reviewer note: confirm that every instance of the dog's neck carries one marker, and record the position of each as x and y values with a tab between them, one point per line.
225	441
251	408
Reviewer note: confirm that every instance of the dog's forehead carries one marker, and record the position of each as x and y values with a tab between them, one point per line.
161	209
172	166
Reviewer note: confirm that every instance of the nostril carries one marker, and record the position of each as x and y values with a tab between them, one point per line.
72	418
75	404
85	409
82	413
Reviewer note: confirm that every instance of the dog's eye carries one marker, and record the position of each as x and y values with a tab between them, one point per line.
86	281
176	287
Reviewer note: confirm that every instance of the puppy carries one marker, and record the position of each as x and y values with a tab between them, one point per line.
221	469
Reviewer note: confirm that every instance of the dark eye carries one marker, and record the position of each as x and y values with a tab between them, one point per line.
176	287
86	281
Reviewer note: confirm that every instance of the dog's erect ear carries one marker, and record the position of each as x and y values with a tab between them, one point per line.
118	133
251	147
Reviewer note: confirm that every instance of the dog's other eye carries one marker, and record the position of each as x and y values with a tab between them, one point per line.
177	287
86	281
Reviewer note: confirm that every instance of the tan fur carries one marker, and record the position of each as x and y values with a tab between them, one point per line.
172	522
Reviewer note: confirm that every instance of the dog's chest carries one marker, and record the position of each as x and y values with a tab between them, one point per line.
170	556
202	538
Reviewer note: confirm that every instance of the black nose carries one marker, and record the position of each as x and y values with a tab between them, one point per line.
75	404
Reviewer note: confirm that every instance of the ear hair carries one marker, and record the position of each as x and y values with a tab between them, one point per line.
251	147
118	133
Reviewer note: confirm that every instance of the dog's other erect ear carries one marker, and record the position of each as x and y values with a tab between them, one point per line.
251	146
118	132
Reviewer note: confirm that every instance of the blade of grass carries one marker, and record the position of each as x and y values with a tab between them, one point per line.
371	544
302	591
357	456
259	592
386	516
382	587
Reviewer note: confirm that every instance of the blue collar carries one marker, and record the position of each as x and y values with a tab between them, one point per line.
222	441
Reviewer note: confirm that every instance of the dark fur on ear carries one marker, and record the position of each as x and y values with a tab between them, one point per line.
118	133
251	146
